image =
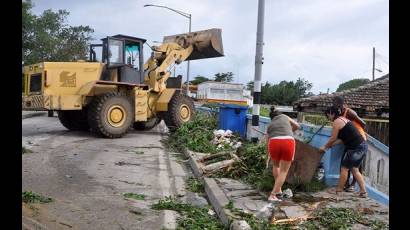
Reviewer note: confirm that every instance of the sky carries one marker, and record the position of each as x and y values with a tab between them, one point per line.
326	42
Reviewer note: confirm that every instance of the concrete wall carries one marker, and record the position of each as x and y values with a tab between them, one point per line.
377	166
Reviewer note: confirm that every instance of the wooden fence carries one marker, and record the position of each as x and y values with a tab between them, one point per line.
378	129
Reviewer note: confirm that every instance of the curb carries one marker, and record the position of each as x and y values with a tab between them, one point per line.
193	163
218	200
33	114
215	195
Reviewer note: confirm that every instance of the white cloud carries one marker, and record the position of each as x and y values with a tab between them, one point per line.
325	42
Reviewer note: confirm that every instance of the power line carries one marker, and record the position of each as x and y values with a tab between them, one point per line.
382	58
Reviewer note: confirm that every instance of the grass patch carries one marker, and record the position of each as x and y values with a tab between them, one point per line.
134	196
264	112
317	119
340	218
195	185
31	197
191	217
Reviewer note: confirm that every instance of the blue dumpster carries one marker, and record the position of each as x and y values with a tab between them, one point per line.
233	117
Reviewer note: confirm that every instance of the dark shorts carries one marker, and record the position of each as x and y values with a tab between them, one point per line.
352	158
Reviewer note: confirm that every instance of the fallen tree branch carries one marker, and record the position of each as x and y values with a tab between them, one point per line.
211	156
218	165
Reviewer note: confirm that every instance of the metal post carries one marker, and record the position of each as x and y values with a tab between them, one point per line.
187	74
374	56
258	70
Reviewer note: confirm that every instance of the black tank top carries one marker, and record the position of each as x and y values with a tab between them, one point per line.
350	136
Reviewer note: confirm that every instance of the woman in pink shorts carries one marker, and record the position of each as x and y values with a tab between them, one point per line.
281	148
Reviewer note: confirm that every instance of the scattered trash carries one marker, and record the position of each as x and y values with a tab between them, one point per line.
121	163
127	182
288	193
68	176
225	139
211	212
135	212
320	172
65	224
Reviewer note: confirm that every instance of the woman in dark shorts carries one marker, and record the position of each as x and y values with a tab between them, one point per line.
355	148
281	148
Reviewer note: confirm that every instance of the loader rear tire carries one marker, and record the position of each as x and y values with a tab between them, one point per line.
147	125
75	120
111	115
180	110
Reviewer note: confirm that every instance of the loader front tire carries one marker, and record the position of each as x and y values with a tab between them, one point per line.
74	120
147	125
111	115
180	110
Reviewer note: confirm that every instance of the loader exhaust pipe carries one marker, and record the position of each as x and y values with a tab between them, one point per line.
206	43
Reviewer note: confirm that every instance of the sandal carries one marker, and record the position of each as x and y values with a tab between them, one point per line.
349	189
274	198
362	194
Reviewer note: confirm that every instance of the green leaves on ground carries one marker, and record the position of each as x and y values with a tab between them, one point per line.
25	150
134	196
195	185
192	217
30	197
195	135
340	218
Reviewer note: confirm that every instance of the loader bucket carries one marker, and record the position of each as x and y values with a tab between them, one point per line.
206	43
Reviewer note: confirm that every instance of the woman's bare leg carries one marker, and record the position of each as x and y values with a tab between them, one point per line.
359	179
342	178
275	170
283	172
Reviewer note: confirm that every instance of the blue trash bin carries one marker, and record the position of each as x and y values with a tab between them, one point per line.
233	117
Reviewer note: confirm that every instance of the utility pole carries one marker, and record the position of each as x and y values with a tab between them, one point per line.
187	72
258	71
374	56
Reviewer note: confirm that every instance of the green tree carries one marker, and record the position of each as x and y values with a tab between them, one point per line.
352	84
286	92
48	37
224	77
198	80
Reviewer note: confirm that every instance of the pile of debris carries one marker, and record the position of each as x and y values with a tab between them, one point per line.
225	139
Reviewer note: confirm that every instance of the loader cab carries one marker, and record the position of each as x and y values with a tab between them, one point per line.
123	56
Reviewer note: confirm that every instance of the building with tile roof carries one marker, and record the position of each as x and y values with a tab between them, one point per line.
369	101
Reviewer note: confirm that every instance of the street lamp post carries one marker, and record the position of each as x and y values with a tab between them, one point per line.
189	16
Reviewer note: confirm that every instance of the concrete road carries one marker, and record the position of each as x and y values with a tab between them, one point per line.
87	177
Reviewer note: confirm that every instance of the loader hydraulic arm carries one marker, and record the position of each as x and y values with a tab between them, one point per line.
156	73
178	48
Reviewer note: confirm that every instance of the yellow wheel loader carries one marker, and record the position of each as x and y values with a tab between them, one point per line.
115	90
